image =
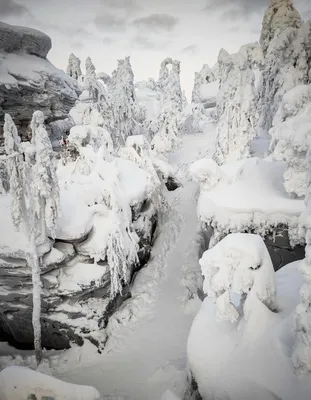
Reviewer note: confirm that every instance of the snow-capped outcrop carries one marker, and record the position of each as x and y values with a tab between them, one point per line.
246	196
290	138
25	40
19	383
29	82
236	107
287	62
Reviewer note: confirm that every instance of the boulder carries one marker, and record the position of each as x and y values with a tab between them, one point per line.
22	39
29	82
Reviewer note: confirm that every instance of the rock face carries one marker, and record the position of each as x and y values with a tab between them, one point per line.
26	40
76	301
29	82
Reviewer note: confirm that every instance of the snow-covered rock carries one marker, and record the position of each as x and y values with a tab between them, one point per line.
247	195
29	82
19	383
24	40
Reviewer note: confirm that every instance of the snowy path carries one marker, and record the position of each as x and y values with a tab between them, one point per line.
147	355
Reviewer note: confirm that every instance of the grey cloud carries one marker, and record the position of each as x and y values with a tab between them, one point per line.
127	5
110	22
146	43
10	7
236	8
192	49
156	22
108	40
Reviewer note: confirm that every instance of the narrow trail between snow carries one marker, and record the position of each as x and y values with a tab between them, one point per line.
146	352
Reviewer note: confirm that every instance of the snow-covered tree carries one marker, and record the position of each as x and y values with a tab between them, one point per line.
301	355
236	107
36	205
290	136
280	15
286	45
206	75
239	264
164	72
74	67
127	113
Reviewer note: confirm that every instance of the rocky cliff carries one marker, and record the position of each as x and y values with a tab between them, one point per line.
28	81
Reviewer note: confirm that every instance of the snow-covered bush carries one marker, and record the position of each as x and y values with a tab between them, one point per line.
74	67
290	138
239	265
193	119
35	205
207	173
236	107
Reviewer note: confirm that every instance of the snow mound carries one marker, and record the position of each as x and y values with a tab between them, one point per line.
250	199
76	219
239	264
250	358
19	383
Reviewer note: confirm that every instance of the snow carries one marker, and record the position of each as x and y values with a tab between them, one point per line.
30	70
141	359
232	360
250	197
209	91
18	383
14	243
76	219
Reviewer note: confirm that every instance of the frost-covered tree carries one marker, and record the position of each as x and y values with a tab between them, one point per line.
74	67
287	59
236	107
301	355
166	126
127	113
36	205
206	75
164	72
280	15
290	136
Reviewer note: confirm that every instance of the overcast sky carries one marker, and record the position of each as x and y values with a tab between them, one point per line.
192	31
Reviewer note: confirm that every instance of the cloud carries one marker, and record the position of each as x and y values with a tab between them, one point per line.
110	22
236	8
192	49
156	22
146	43
11	8
127	5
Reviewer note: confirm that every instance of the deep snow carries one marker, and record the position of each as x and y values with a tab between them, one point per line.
146	350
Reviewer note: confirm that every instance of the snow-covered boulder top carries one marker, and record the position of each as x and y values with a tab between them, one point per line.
19	383
29	82
22	39
249	196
